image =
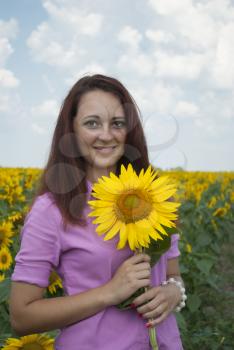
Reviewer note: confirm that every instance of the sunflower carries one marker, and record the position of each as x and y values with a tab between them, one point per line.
30	342
5	234
55	281
135	206
5	258
15	216
2	277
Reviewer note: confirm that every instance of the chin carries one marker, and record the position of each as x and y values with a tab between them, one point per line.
105	163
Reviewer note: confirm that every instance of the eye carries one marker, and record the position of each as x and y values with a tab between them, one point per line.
120	124
91	122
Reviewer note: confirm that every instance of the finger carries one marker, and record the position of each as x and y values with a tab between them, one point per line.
148	295
156	312
143	283
149	307
159	319
135	259
143	274
142	266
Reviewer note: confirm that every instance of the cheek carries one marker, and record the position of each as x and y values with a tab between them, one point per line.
121	136
86	138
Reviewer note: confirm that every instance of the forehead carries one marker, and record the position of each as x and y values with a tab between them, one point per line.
100	101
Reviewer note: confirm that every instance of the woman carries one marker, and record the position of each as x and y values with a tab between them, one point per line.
98	129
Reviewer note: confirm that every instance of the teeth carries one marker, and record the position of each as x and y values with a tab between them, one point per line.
104	147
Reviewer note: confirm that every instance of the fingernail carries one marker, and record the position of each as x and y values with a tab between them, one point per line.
133	305
148	325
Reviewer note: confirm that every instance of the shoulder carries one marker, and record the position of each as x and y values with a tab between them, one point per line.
44	207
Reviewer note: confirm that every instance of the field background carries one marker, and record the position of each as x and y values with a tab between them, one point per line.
206	245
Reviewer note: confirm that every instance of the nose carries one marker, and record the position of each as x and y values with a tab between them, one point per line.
105	134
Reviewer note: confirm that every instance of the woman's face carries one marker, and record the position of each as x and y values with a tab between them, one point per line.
100	128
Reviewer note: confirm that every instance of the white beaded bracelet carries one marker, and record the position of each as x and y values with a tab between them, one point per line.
182	291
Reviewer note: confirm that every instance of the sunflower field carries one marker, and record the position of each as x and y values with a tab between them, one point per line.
206	243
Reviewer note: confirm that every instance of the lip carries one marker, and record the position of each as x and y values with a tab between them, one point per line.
105	149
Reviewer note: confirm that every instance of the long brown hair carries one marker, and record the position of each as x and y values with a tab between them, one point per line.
64	174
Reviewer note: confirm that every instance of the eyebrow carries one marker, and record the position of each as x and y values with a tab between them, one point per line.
97	117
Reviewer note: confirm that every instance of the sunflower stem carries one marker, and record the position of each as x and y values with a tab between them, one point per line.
152	330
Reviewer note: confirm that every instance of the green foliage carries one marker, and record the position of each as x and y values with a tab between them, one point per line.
207	320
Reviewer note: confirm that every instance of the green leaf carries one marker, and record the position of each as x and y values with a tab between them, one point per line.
5	289
204	265
193	302
181	321
204	239
157	249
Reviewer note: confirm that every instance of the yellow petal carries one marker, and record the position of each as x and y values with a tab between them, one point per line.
159	182
123	237
113	231
163	196
133	244
100	204
106	225
102	218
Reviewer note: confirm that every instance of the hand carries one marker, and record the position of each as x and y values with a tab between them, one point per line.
158	302
132	274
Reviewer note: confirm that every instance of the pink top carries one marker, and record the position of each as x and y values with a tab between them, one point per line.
84	261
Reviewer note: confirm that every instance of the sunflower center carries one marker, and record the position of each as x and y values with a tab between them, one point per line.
133	206
32	346
131	201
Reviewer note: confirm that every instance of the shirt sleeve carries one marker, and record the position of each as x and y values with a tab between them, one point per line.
40	244
173	251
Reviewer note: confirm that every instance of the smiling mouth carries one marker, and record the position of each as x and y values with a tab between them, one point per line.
107	148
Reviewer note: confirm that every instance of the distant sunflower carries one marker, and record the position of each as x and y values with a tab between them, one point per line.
5	233
5	258
135	206
2	277
55	282
15	216
30	342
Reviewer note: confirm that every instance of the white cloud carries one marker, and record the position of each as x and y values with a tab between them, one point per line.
9	101
57	42
85	23
92	68
5	50
7	79
47	109
130	36
9	29
198	27
168	7
138	62
159	36
186	109
187	66
38	129
223	68
47	48
4	103
159	98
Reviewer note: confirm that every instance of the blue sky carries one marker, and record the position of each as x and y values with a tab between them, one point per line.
175	57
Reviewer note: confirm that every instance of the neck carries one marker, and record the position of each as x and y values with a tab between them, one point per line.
93	174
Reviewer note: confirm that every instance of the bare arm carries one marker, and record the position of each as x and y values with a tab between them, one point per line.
173	269
30	313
